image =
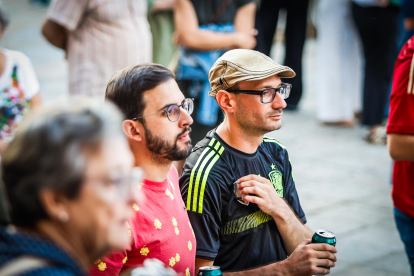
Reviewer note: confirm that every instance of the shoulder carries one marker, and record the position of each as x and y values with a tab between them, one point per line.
17	57
50	270
205	157
274	145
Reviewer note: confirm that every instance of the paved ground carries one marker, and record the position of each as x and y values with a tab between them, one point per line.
343	183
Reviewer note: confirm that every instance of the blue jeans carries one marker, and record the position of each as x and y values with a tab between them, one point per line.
405	226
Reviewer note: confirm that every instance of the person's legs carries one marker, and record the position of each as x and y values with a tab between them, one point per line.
266	22
405	226
379	44
295	35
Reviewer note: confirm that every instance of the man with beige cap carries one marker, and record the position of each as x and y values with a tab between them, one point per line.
238	185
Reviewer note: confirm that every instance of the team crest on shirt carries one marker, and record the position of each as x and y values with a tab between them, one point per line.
276	179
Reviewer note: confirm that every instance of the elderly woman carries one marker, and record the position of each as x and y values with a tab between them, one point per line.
68	178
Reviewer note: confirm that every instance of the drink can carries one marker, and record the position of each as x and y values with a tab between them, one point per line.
209	271
324	236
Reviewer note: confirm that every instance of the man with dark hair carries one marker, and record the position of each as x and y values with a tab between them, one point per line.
157	124
238	184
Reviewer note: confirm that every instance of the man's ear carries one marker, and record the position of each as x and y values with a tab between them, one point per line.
133	130
226	101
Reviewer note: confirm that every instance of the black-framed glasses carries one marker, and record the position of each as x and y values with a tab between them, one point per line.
173	111
268	95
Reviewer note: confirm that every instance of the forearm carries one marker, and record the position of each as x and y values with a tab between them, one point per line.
204	40
55	34
292	230
401	147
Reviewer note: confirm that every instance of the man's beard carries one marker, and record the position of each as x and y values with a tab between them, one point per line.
162	150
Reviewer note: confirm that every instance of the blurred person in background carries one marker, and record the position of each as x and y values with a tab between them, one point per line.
400	130
157	124
99	38
161	21
295	34
377	25
206	29
407	13
19	88
339	64
70	186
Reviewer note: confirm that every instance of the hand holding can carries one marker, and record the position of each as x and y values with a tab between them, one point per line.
324	236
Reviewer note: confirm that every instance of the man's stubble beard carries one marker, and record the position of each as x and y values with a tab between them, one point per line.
255	124
164	152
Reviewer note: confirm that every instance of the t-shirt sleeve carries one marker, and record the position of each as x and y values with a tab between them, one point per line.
401	118
290	194
67	13
27	76
203	207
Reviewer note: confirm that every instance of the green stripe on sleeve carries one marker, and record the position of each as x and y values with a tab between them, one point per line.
199	172
190	185
203	184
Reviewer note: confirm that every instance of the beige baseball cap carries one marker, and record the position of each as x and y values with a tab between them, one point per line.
243	65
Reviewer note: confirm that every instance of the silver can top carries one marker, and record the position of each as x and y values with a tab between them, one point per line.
204	268
325	233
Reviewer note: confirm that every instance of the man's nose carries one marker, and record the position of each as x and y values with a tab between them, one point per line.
185	118
278	102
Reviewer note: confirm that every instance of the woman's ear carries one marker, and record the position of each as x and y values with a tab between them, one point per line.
133	130
226	101
54	204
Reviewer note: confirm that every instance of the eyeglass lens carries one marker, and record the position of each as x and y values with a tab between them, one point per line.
269	94
173	111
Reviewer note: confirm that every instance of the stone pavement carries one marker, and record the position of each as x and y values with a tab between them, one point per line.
343	183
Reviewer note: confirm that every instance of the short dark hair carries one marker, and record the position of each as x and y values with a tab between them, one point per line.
126	87
50	151
4	20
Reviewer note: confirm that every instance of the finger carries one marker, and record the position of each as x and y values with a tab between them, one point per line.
250	183
254	199
255	32
246	178
324	262
253	190
306	241
323	247
321	270
325	255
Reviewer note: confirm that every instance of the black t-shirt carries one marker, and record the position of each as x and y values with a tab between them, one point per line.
206	9
235	236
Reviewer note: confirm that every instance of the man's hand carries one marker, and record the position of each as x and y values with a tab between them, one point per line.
265	195
307	258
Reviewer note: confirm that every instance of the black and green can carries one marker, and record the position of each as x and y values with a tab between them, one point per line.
209	271
324	236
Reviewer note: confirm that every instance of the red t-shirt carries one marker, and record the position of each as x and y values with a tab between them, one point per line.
160	229
401	120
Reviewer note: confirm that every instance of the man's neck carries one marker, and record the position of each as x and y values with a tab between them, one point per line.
235	137
155	170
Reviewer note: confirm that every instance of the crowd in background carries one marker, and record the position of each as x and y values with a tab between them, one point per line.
358	43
